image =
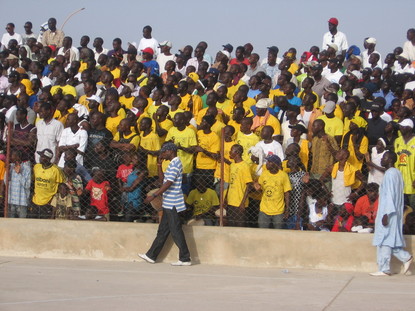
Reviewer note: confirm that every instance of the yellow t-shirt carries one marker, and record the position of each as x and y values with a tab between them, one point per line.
228	110
127	102
247	141
151	142
152	109
223	105
240	176
165	125
211	143
133	137
197	103
202	202
273	188
2	169
364	146
236	126
202	113
333	126
173	113
406	162
316	103
277	93
338	112
226	167
232	89
57	115
67	89
186	138
116	73
46	183
271	121
217	128
112	124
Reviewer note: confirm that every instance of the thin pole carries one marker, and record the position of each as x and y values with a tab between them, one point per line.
222	173
69	17
6	190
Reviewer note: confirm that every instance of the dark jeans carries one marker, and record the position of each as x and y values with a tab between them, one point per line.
170	223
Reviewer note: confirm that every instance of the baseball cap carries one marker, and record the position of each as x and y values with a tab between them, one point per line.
333	46
148	50
228	47
264	103
329	107
407	122
376	107
226	53
194	76
299	126
46	153
274	159
274	49
166	43
168	147
334	21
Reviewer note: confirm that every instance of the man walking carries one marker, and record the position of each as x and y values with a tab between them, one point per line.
388	236
173	203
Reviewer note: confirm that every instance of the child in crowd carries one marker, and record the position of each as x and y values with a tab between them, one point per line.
203	202
376	171
125	169
61	203
316	197
98	188
74	183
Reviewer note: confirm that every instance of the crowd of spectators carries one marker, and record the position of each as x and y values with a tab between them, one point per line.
301	136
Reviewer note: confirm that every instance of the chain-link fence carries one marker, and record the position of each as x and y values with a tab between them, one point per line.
110	182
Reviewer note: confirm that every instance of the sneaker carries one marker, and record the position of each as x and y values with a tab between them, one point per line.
407	264
379	273
181	263
146	258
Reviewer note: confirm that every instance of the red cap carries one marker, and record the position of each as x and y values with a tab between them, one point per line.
148	50
334	21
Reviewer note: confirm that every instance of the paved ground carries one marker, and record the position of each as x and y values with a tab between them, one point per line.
59	285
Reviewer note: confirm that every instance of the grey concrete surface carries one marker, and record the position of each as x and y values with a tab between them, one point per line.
60	285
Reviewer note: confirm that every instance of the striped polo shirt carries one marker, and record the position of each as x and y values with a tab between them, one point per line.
173	196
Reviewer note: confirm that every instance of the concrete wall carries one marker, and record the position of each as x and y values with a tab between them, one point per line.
245	247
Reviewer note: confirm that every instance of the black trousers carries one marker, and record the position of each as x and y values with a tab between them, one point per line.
170	223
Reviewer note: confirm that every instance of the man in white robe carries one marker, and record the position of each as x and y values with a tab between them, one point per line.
388	237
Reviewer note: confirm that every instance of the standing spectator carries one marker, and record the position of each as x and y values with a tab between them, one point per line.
28	33
335	36
47	178
98	188
24	136
240	183
70	52
165	55
409	46
376	125
376	171
49	131
388	237
405	148
73	137
61	203
298	177
356	142
275	185
323	149
98	48
53	36
10	35
147	41
246	138
20	173
173	203
333	125
149	146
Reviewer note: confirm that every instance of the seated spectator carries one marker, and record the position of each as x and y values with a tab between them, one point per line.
360	225
61	203
343	222
203	202
367	205
317	206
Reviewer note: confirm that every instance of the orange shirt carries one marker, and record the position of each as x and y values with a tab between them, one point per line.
364	208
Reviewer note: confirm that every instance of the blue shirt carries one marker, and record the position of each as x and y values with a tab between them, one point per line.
134	197
173	196
295	101
154	67
388	97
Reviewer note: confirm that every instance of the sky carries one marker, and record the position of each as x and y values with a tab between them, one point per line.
300	24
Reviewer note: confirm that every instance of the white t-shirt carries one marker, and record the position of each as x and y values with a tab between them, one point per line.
96	54
271	148
48	136
408	50
339	39
365	57
149	43
73	53
375	175
6	38
333	77
339	190
163	59
69	138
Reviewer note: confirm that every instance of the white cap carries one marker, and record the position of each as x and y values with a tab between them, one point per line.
264	103
226	53
134	44
407	122
329	107
357	74
166	43
334	46
371	40
94	97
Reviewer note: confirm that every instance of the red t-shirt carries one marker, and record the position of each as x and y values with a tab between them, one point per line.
123	171
237	62
340	222
99	195
364	208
